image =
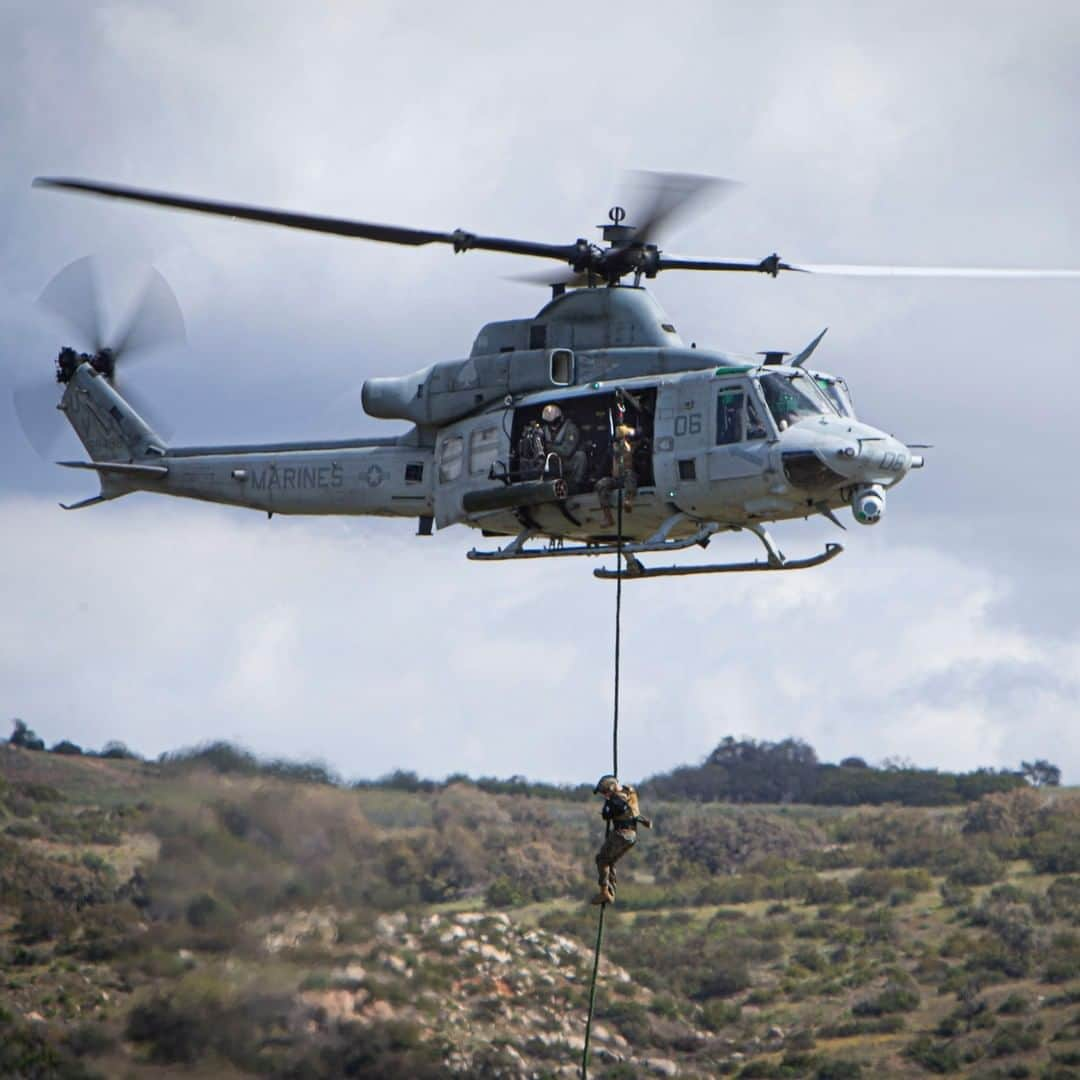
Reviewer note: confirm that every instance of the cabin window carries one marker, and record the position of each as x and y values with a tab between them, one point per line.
450	458
414	472
483	450
562	367
538	336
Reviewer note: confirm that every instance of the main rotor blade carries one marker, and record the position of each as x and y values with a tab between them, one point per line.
73	295
155	321
569	279
770	265
667	196
387	234
842	270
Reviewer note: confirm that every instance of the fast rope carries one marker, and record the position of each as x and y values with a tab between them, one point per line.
614	772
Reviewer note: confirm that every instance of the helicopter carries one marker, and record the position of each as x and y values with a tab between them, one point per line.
517	439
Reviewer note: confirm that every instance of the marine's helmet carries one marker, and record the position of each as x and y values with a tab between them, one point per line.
607	783
551	414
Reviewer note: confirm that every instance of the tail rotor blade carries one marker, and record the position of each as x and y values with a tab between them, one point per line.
35	402
136	400
73	295
155	321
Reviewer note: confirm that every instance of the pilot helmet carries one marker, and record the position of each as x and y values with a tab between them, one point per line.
607	783
551	414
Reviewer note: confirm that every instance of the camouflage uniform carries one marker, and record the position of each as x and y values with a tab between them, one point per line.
563	439
621	812
622	473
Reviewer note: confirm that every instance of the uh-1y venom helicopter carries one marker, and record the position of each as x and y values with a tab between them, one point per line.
719	442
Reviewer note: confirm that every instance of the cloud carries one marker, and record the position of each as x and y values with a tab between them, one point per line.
356	642
949	635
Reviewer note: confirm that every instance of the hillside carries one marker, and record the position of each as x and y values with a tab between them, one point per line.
168	918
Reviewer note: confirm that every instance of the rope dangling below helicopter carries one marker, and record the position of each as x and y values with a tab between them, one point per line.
614	771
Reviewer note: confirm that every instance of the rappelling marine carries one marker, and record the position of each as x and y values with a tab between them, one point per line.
622	814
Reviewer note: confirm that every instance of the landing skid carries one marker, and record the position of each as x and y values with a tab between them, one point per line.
635	571
659	541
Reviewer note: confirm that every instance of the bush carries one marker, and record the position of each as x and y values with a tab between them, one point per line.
718	1014
936	1057
89	1040
175	1035
1015	1038
503	893
24	738
65	747
894	998
1056	850
977	867
116	750
826	891
839	1070
732	978
1014	1004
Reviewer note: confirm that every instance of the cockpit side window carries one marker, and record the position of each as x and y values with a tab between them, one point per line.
791	397
729	417
755	428
737	417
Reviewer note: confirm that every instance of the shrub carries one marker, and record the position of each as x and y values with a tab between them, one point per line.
65	747
175	1034
1056	850
24	738
1014	1004
724	981
979	866
821	890
89	1040
934	1056
839	1070
718	1014
893	998
503	893
1015	1038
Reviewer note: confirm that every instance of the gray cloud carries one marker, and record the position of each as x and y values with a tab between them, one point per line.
921	135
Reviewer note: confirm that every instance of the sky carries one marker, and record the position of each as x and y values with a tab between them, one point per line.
948	635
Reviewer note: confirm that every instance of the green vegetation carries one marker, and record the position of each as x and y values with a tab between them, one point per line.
214	912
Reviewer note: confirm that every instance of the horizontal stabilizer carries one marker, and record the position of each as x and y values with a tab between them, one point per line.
86	502
119	468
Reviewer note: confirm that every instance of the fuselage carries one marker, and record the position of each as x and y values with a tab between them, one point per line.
713	437
722	445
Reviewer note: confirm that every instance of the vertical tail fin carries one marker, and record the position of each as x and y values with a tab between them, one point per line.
107	425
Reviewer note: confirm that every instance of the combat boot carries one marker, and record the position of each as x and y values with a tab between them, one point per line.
606	895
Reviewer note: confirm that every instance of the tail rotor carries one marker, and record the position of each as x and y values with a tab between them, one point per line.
74	295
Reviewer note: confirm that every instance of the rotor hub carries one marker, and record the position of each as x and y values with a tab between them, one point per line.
68	361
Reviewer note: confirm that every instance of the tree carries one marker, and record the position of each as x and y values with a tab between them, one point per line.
1041	773
23	737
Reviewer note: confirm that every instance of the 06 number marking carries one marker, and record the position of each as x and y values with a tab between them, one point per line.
688	425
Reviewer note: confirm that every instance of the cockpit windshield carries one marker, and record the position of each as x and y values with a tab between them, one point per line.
791	397
837	392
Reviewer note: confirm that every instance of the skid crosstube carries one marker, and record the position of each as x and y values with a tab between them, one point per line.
635	571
